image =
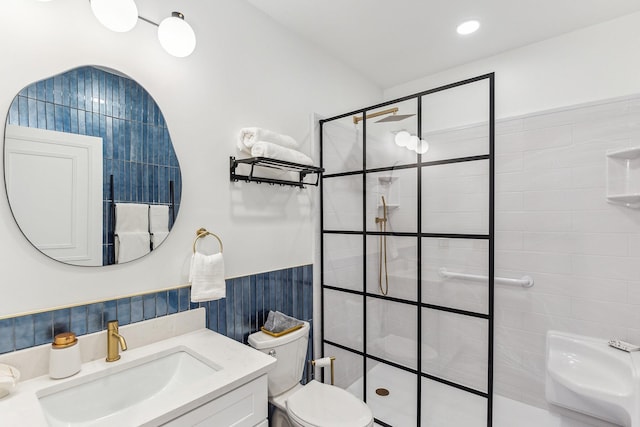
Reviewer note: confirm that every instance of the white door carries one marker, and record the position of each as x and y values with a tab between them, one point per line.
54	185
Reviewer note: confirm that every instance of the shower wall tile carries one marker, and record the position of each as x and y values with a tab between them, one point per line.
578	248
244	310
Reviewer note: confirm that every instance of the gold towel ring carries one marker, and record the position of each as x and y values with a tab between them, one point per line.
202	232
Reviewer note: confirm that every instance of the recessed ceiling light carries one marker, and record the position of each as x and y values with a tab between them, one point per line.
468	27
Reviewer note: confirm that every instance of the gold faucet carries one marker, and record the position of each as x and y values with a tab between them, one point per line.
114	341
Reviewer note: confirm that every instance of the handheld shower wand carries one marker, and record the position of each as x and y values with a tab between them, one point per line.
382	222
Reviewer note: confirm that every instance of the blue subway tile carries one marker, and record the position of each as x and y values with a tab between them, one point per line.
230	307
183	299
57	89
79	320
48	90
6	336
161	304
41	108
137	309
58	116
65	89
73	121
259	300
23	111
149	306
124	311
95	319
32	105
24	332
212	321
43	328
61	321
14	116
172	301
110	310
253	307
40	90
73	89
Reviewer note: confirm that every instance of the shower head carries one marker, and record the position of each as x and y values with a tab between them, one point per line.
395	118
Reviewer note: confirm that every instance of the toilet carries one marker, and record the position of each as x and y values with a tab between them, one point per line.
313	405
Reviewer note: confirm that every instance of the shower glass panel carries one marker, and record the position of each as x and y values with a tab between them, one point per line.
348	368
446	406
454	348
392	332
341	146
346	313
399	189
391	394
343	203
343	261
401	270
455	122
442	256
412	340
398	125
455	198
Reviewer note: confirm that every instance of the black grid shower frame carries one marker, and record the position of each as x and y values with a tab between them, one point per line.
419	235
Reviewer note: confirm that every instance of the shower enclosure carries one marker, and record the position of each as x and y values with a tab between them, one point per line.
407	194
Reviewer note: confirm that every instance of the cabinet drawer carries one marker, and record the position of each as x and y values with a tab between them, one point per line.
245	406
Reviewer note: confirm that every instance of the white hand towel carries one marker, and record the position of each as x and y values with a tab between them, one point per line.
131	245
207	277
273	151
157	237
132	217
158	218
249	136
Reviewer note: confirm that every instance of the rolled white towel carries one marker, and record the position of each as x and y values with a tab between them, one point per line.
249	136
273	151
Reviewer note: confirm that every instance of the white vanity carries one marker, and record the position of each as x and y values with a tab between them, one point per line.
175	373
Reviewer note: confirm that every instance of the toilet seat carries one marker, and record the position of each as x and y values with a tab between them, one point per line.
322	405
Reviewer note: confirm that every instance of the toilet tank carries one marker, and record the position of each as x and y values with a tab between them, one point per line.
290	350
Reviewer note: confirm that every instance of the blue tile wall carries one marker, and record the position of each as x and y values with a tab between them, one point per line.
241	313
136	141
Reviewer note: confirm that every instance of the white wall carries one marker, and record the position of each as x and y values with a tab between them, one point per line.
587	65
246	71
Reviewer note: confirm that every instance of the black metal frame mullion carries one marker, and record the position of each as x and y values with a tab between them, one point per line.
322	341
419	236
364	253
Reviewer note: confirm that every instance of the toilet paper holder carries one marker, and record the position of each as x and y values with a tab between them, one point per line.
323	363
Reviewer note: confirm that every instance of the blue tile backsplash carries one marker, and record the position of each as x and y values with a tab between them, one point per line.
137	148
241	313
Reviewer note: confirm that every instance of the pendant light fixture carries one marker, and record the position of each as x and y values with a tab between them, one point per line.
117	15
176	35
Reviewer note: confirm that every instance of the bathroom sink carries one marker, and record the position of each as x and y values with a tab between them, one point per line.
111	396
584	374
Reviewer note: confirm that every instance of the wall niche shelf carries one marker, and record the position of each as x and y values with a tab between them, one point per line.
623	177
255	164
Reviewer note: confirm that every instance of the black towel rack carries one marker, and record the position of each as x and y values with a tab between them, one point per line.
264	162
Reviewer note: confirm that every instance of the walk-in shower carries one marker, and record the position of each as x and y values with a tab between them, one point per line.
415	345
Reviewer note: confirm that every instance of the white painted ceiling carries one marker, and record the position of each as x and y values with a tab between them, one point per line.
395	41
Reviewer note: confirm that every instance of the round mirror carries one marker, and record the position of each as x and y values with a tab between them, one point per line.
90	171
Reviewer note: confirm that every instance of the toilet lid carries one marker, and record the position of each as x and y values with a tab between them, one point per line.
322	405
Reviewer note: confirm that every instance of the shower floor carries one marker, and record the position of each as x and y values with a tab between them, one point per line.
445	406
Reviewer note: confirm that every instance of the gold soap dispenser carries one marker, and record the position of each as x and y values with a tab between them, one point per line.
64	360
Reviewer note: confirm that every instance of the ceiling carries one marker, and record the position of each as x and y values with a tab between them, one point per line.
396	41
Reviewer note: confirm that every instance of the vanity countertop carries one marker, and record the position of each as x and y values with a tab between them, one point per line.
240	364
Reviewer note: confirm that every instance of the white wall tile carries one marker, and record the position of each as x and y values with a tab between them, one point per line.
537	139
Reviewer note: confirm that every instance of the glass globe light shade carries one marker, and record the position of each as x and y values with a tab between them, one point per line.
176	36
413	142
422	147
117	15
402	138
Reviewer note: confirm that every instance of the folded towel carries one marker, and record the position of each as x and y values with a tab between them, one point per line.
278	322
273	151
132	217
131	245
207	277
249	136
158	237
158	218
